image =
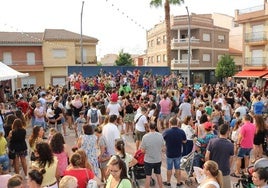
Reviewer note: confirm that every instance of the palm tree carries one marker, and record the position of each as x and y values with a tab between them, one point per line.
158	3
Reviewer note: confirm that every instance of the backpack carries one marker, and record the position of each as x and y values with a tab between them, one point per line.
94	116
139	156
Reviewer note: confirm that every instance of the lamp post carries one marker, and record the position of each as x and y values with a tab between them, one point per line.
81	36
189	47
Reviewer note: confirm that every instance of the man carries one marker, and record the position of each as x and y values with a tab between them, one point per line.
245	142
141	124
94	116
110	132
152	145
221	150
174	138
58	115
185	109
258	106
23	105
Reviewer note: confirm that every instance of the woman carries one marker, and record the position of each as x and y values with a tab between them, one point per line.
69	116
45	160
81	174
36	136
4	160
260	177
60	150
213	175
88	142
68	182
118	174
18	146
8	123
20	115
120	151
35	178
129	115
190	133
258	137
104	156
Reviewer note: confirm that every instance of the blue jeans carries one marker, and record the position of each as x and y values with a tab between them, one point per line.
4	161
42	124
173	162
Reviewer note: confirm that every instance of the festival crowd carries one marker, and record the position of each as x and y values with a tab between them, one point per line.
221	128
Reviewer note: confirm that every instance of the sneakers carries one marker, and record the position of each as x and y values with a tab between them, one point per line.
179	184
167	184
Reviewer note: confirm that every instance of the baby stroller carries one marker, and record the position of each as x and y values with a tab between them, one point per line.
187	165
137	172
246	179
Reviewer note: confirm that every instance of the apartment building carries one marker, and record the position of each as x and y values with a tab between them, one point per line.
45	55
207	44
255	43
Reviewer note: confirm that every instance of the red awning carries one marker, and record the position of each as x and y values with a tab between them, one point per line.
251	74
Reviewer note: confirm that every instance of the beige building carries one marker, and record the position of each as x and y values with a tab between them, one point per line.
108	59
255	42
207	43
61	49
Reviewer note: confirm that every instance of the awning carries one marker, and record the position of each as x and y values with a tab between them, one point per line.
251	74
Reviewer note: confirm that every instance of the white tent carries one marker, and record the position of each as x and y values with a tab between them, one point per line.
7	73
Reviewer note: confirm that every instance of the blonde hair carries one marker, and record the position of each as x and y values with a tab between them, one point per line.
68	182
213	168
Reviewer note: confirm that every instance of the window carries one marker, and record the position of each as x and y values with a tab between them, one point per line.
152	59
28	81
148	44
164	39
59	53
149	59
206	57
219	57
60	81
158	40
152	43
165	58
158	59
30	58
206	37
7	58
221	38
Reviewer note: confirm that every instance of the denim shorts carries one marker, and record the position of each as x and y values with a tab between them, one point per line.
149	167
173	162
164	116
4	161
242	152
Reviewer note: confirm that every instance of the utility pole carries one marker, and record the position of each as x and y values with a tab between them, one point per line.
81	36
189	48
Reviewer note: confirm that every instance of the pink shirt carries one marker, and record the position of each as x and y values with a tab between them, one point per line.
165	106
247	131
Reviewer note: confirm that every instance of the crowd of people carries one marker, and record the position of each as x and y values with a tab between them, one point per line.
224	125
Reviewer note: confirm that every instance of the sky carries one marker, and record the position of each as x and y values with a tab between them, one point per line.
117	24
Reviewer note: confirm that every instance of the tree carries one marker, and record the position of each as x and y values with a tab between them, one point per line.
158	3
124	59
225	67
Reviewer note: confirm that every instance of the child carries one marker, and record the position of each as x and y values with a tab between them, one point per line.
79	123
50	114
52	132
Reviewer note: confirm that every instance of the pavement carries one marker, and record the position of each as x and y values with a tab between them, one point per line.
130	148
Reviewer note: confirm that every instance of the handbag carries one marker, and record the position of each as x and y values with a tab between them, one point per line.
91	183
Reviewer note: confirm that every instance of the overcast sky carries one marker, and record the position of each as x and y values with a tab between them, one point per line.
117	24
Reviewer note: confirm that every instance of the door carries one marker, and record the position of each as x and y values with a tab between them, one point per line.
257	57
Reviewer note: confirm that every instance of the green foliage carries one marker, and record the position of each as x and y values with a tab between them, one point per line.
158	3
225	67
124	59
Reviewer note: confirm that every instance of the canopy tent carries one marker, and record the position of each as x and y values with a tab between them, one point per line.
7	73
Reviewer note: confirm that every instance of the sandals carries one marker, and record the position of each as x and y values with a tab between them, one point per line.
234	175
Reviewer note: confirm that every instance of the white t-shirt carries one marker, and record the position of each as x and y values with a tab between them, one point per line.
113	108
139	126
110	132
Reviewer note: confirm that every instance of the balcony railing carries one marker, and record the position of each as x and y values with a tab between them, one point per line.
23	62
256	36
251	9
255	61
184	61
185	40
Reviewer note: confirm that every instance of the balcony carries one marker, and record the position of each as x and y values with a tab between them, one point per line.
184	61
250	14
177	43
251	9
29	67
256	38
255	63
92	60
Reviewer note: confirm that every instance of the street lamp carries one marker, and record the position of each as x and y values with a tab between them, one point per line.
81	36
189	47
